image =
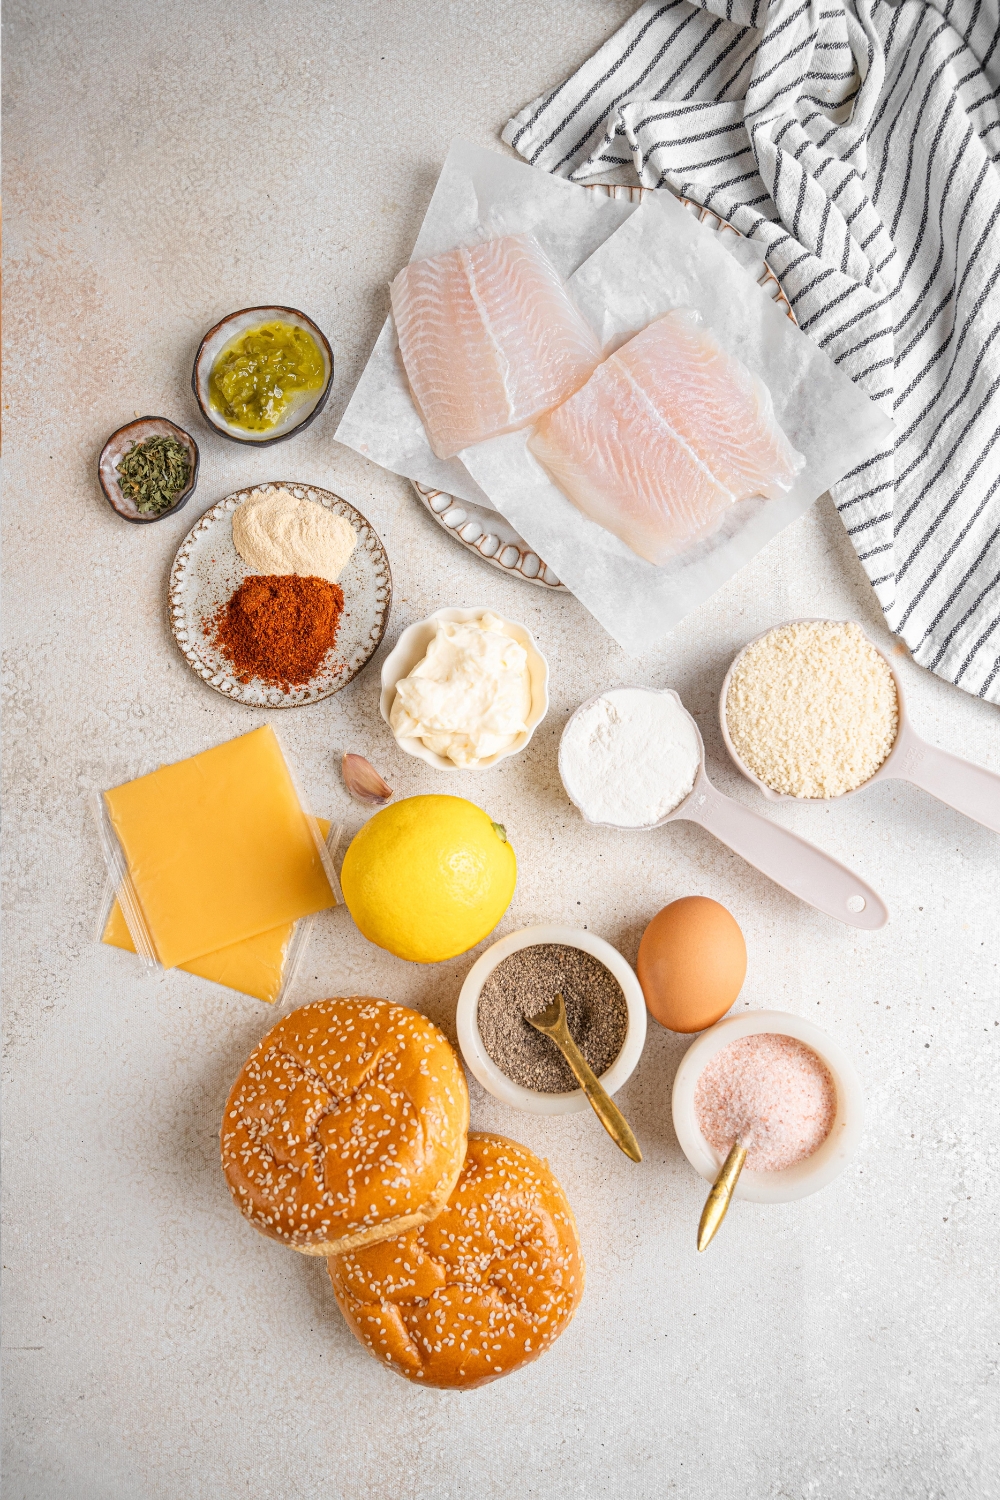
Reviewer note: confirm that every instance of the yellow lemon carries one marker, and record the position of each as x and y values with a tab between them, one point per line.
428	877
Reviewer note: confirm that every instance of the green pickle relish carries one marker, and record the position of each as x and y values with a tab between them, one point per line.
262	372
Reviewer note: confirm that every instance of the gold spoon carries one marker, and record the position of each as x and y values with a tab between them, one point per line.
720	1197
551	1022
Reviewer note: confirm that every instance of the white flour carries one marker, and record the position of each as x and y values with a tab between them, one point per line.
630	757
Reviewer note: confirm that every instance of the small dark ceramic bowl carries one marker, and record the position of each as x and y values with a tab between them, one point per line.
120	442
299	415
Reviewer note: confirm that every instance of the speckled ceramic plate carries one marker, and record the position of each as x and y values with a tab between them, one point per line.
208	569
485	531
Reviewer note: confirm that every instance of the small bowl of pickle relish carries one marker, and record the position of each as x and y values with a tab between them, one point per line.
262	374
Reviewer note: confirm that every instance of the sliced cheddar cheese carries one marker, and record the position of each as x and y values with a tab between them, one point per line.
218	848
256	966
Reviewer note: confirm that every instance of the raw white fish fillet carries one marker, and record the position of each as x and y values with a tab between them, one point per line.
666	435
489	338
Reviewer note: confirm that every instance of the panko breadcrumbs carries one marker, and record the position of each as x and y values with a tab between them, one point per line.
811	708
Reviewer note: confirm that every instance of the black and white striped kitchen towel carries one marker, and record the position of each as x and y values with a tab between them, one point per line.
860	142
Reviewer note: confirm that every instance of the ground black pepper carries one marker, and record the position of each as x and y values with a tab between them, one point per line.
524	984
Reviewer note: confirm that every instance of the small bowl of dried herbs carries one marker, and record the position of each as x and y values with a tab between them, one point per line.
148	469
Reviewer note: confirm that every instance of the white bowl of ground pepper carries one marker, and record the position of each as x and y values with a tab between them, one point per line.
519	975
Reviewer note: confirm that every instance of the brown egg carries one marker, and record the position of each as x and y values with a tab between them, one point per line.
692	963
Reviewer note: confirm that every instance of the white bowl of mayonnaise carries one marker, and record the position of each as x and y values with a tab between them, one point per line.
464	689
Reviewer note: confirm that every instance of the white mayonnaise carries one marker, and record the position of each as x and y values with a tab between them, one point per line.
471	694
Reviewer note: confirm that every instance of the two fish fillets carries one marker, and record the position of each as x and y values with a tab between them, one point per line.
666	435
655	443
489	338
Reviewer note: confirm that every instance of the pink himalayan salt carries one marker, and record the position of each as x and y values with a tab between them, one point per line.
773	1093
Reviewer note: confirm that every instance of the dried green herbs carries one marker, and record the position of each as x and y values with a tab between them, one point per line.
152	474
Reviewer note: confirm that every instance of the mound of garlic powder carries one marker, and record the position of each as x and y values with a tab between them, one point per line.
811	708
470	696
277	534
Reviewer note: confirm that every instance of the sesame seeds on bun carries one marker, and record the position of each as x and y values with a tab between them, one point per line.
484	1288
347	1125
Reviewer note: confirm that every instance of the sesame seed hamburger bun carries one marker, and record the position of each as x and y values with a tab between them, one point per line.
483	1289
347	1125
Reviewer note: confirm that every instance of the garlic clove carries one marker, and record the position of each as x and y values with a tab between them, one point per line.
363	781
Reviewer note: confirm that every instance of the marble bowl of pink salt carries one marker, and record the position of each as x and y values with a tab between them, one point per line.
785	1088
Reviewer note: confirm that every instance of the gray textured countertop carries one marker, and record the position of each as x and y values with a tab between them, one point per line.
165	164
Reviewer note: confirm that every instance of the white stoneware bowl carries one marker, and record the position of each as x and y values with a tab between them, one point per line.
485	1069
412	648
806	1176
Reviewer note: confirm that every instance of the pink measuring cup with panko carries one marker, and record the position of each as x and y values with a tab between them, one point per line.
968	788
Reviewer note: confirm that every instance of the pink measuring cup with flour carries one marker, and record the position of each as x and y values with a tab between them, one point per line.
790	861
968	788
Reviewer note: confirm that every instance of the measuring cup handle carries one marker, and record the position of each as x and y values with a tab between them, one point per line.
968	788
788	860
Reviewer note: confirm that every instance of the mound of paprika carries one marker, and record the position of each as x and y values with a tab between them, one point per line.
279	628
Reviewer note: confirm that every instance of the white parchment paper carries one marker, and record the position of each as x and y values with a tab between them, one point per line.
479	195
662	258
625	264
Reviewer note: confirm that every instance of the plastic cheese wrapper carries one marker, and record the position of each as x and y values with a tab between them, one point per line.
656	257
263	966
213	850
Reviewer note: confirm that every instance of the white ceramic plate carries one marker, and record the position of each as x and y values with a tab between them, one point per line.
487	532
484	531
207	570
